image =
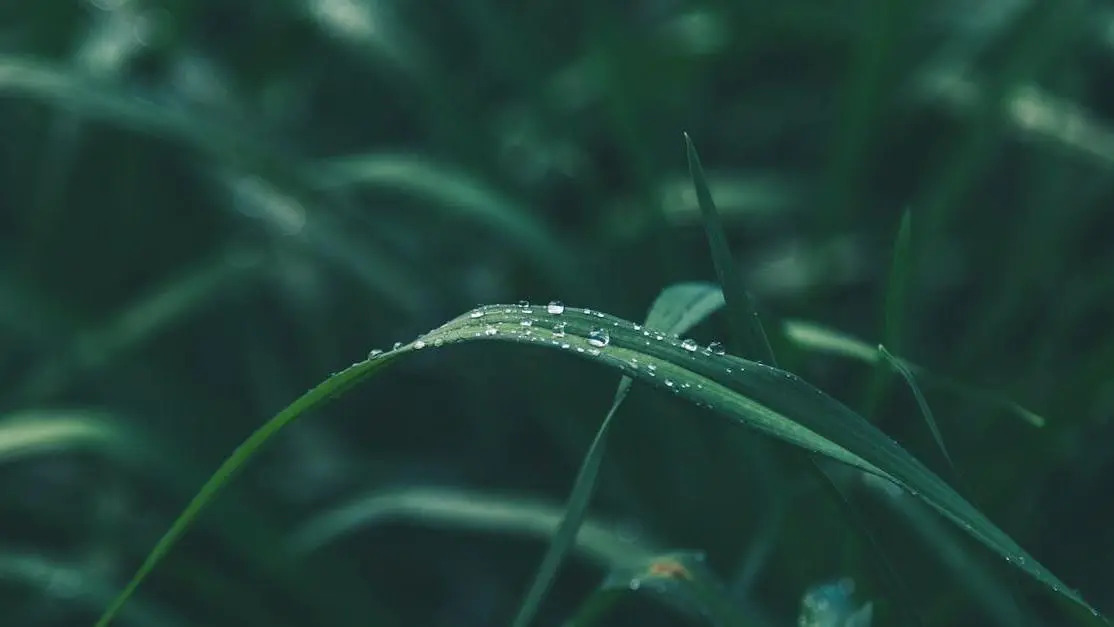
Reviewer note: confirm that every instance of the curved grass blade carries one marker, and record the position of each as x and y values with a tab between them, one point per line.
677	309
454	508
752	341
747	393
822	339
42	431
455	190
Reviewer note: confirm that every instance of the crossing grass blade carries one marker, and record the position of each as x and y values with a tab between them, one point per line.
821	339
922	403
677	309
747	393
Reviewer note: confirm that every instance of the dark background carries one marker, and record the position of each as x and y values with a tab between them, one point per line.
207	207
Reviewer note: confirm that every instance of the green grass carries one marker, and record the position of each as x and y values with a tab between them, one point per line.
889	256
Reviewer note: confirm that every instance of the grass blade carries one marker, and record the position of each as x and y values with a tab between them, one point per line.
677	309
814	337
751	340
926	411
747	393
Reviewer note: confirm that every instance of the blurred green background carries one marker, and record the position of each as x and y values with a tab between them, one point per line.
207	207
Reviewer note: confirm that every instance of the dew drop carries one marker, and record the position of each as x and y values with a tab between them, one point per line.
490	331
565	345
651	367
594	352
396	346
477	314
527	323
599	338
555	308
598	314
523	303
689	345
438	342
717	348
419	345
375	353
668	383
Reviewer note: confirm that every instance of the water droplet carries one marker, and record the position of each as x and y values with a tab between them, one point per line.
523	303
555	307
419	345
689	345
635	584
599	338
490	331
638	327
597	314
594	352
659	337
397	346
717	348
565	345
668	383
438	342
527	323
651	367
477	314
375	353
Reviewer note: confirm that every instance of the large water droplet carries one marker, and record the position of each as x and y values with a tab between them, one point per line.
599	338
555	307
419	345
397	346
374	353
523	303
716	348
689	345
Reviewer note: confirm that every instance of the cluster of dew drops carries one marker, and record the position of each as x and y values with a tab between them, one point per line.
598	338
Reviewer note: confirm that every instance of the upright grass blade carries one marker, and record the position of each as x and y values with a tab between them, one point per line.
751	340
677	309
747	393
893	312
746	325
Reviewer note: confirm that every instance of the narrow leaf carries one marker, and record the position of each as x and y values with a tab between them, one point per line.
746	328
676	309
747	393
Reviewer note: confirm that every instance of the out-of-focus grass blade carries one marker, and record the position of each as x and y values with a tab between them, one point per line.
47	431
922	403
748	393
459	192
137	324
78	586
815	337
677	309
897	291
456	508
752	342
683	581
